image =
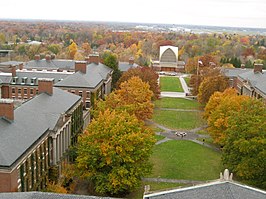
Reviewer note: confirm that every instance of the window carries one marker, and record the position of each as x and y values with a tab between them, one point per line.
88	104
25	91
13	90
31	91
80	93
14	80
19	90
24	80
88	94
33	80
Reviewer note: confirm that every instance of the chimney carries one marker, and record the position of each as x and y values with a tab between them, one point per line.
48	57
37	57
20	66
81	66
258	68
87	59
13	70
52	56
45	85
131	61
94	58
243	66
7	109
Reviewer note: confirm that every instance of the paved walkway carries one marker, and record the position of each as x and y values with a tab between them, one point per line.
182	110
173	94
173	180
184	85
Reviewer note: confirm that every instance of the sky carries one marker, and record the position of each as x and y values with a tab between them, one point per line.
233	13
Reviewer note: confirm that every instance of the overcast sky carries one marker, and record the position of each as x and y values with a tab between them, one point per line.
235	13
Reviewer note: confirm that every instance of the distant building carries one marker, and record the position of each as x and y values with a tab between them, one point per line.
36	135
125	66
168	60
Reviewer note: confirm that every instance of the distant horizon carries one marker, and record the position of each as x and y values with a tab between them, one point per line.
222	13
98	21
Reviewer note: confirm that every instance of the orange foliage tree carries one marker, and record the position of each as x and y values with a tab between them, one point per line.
134	96
146	74
114	152
210	85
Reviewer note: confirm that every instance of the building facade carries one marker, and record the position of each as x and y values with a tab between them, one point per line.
168	60
36	136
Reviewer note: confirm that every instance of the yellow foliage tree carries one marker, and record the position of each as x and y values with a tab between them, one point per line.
73	48
219	108
134	96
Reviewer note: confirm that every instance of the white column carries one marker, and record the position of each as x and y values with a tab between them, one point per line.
54	151
58	148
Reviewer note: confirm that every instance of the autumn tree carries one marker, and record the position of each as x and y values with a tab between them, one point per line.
54	48
146	74
210	85
114	152
111	60
86	48
244	150
73	49
220	107
134	96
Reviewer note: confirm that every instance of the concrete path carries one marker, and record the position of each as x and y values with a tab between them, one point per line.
184	84
173	94
162	141
173	180
181	110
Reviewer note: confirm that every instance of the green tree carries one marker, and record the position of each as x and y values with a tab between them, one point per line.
114	153
111	60
54	48
210	85
244	151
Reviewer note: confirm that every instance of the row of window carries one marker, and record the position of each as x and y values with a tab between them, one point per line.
33	172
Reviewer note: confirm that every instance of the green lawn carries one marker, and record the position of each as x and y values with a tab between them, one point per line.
159	137
171	84
178	119
187	80
185	160
177	103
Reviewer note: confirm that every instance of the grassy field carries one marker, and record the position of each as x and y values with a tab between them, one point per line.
171	84
177	103
185	160
187	80
178	119
159	137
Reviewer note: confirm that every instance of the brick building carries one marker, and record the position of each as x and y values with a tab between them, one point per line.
250	82
36	135
89	79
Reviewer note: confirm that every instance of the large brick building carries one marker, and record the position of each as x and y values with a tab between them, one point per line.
56	97
36	135
250	82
